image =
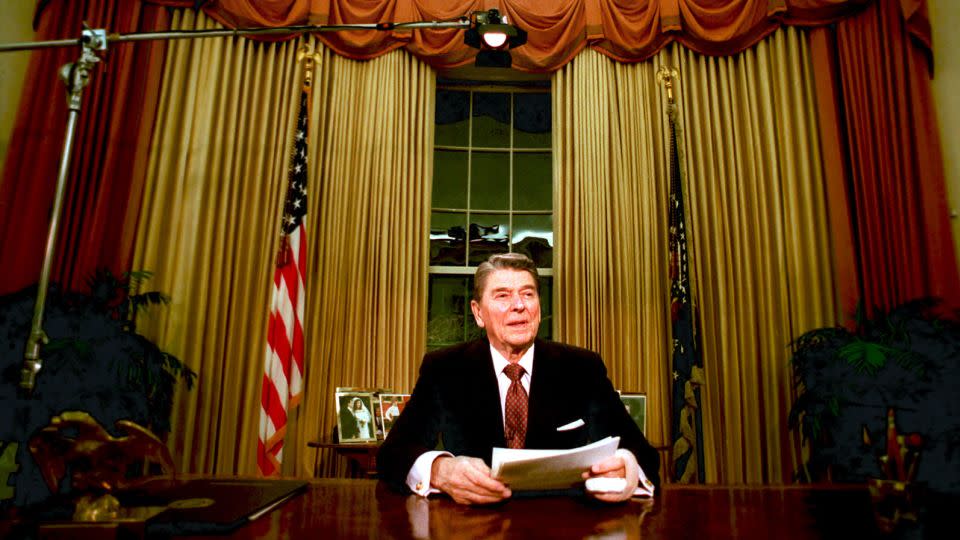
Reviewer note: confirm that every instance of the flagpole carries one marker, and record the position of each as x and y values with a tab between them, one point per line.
687	368
76	75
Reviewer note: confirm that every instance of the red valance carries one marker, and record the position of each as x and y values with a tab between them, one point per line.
623	30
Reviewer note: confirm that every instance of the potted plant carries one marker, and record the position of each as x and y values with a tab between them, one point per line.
908	359
95	361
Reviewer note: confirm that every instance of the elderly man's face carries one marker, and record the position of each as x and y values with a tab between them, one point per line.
509	310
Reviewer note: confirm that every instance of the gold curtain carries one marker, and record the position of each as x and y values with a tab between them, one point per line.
367	314
758	242
611	278
210	229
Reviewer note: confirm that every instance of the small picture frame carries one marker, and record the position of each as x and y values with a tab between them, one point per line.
376	410
391	405
636	405
356	421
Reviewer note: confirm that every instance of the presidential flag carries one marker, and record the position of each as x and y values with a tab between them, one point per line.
283	366
687	425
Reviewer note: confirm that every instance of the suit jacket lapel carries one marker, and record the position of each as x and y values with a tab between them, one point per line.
485	393
540	387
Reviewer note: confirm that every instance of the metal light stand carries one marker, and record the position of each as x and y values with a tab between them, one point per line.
77	75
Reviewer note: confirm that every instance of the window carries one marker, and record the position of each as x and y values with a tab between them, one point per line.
492	193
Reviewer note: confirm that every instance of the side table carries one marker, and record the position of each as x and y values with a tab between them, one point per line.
361	456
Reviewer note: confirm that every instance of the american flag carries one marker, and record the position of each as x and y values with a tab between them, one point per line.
283	367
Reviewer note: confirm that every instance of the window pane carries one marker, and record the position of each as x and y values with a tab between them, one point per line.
453	118
448	239
449	179
490	181
546	308
532	181
491	120
449	303
533	236
489	234
532	124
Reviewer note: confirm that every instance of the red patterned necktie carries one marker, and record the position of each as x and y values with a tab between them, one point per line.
515	408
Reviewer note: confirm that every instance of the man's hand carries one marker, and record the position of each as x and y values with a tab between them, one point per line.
467	480
622	464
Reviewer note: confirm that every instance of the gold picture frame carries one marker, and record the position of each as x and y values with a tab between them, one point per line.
636	405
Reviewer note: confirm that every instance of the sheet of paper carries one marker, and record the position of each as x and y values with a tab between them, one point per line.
549	469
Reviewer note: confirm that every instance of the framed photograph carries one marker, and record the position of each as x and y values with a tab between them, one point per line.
636	405
377	413
391	405
355	415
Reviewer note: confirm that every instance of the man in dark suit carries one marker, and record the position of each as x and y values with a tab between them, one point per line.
471	398
348	422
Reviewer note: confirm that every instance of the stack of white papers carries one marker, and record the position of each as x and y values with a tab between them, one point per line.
549	469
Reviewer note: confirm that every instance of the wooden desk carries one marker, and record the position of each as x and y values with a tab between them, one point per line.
341	508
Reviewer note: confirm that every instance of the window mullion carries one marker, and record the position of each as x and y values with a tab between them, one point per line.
510	234
466	247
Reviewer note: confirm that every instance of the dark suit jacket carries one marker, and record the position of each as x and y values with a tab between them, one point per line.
456	403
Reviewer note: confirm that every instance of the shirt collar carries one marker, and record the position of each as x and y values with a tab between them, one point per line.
499	362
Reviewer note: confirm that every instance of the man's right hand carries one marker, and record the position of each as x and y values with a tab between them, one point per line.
467	480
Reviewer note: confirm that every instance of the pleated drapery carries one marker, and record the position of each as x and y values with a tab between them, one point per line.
760	248
210	228
557	31
367	312
611	279
893	230
759	245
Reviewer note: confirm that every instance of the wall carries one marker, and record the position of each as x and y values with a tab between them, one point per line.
945	20
15	27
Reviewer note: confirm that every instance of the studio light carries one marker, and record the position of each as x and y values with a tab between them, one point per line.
494	36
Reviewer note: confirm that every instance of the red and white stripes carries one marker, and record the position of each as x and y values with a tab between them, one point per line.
283	365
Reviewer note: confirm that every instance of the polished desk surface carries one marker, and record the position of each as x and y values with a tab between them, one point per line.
357	508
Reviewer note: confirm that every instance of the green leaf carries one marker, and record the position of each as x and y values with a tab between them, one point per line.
81	347
138	275
833	405
867	356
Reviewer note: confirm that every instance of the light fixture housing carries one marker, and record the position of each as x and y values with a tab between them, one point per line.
494	36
